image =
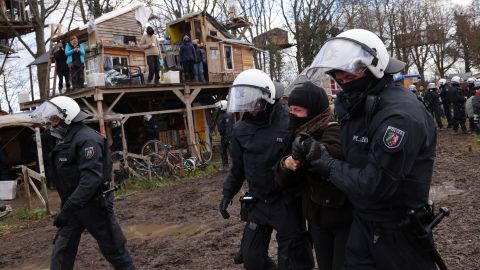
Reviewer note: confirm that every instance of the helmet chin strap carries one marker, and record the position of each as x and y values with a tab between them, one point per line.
59	131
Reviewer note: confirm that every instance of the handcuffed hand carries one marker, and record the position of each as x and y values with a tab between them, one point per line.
321	165
291	163
223	207
300	146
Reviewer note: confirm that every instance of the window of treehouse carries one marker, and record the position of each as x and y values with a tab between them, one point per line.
116	62
198	30
228	57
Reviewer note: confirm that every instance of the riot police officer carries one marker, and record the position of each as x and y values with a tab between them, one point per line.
225	126
432	100
445	101
388	140
258	141
81	168
457	99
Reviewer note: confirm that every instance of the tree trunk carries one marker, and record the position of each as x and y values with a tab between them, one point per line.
42	71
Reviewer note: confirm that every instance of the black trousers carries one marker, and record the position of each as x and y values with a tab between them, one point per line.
459	117
224	144
60	76
448	112
371	247
294	248
76	75
189	71
103	226
436	112
329	244
153	62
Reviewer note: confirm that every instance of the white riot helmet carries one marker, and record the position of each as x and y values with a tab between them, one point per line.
353	51
456	79
147	117
222	105
62	107
471	80
431	86
442	81
249	89
412	87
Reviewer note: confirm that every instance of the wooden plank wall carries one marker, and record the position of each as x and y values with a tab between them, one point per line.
123	25
247	56
237	59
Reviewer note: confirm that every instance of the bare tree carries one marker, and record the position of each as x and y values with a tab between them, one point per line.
311	24
443	48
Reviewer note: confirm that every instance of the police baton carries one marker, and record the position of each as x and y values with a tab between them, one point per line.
110	190
423	232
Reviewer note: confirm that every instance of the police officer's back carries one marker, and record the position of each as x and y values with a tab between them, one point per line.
388	140
81	166
457	99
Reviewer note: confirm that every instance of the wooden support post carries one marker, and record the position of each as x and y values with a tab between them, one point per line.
101	122
31	82
26	183
41	166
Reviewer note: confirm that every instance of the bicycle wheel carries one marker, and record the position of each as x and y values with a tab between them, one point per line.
205	152
189	165
153	146
160	166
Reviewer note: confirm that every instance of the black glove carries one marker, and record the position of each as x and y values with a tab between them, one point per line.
223	207
322	164
301	146
64	215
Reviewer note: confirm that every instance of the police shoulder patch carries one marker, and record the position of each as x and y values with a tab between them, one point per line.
89	152
393	137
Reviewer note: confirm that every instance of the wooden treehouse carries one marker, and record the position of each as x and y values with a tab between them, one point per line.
183	111
14	19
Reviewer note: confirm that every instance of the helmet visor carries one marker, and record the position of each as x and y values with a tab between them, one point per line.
340	54
46	112
245	98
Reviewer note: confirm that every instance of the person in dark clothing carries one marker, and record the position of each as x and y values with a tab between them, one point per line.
75	59
82	169
48	143
258	141
187	59
151	127
476	107
200	59
225	126
61	67
432	100
445	101
457	99
326	207
388	141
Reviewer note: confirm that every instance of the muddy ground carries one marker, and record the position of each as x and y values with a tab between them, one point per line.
179	227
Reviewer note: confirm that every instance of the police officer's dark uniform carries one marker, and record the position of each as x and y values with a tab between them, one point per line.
81	167
457	99
446	104
256	146
388	141
432	99
225	126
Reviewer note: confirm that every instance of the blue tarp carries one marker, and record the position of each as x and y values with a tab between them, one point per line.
405	76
